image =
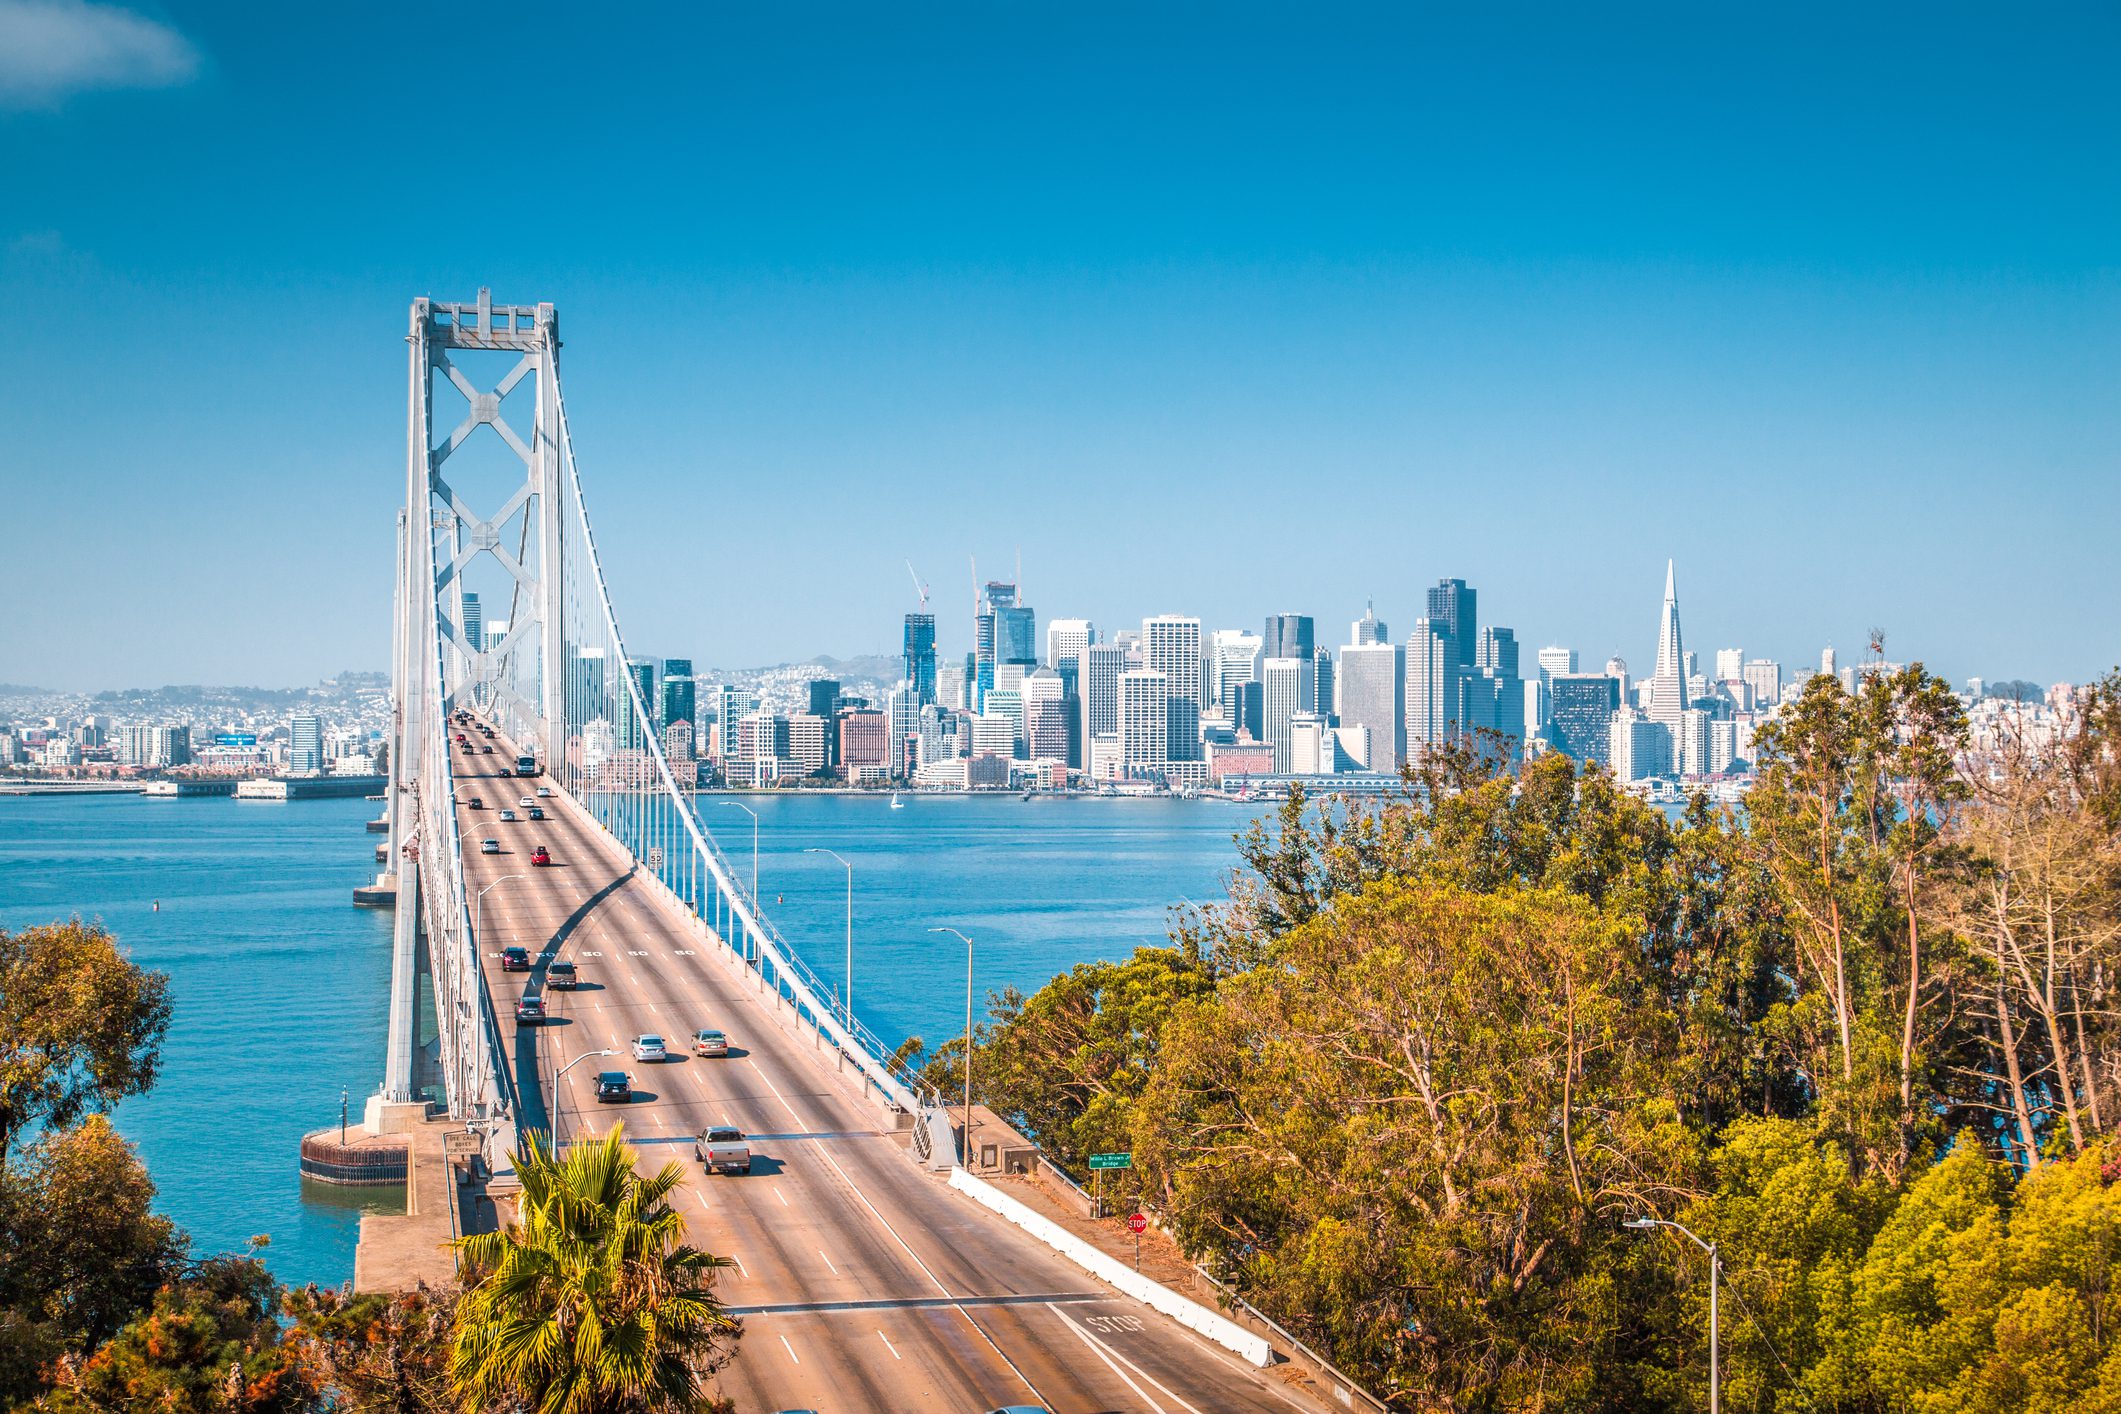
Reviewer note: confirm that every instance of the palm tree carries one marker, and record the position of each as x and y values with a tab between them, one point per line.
589	1303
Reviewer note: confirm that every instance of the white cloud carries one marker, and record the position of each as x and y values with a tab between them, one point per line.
52	48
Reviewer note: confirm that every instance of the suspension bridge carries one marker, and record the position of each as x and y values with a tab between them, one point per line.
870	1271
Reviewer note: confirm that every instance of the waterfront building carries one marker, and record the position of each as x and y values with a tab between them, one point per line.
865	741
1103	755
1580	715
902	721
305	745
1373	696
729	705
1243	758
1311	749
172	746
1288	687
1287	636
1103	663
1144	720
1369	629
919	652
808	735
1007	704
1047	720
823	697
1171	646
1637	747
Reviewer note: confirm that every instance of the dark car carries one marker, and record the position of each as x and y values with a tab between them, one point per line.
515	959
560	976
614	1087
537	812
530	1008
476	803
487	749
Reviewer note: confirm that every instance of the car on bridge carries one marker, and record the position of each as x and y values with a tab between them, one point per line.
508	816
560	976
709	1043
527	803
515	959
614	1087
529	1008
723	1149
649	1048
489	846
476	803
539	857
544	792
536	812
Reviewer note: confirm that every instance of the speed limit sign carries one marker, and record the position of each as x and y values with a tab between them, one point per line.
655	858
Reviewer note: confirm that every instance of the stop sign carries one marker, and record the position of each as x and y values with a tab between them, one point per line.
1139	1223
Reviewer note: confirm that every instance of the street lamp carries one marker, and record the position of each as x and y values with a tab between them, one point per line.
478	931
850	931
738	805
1715	1270
586	1055
968	1034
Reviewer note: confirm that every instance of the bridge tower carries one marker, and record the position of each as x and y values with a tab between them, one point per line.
519	678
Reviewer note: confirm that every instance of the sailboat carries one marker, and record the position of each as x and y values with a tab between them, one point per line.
896	803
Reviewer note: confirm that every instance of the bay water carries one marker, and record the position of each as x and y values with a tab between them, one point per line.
280	985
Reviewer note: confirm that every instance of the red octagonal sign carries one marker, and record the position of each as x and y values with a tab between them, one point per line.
1139	1222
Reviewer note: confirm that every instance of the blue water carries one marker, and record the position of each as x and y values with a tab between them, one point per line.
280	985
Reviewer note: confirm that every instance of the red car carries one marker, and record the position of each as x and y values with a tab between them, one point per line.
539	856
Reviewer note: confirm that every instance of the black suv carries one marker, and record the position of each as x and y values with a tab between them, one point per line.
614	1087
515	959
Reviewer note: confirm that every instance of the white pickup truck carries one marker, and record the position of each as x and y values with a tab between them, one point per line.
722	1150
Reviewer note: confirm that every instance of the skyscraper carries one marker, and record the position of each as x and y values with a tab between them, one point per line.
920	657
825	705
1102	665
1233	658
474	624
679	702
1287	687
1554	662
1668	688
1453	612
1144	720
1287	636
1171	646
638	722
305	745
1580	708
1433	694
1325	700
729	706
1373	695
1764	676
1368	629
1730	665
1066	639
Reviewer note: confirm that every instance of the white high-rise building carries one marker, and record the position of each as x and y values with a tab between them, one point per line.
1098	687
1171	646
1311	745
1668	684
1433	678
1288	686
1692	742
1144	720
1373	696
1233	658
1067	638
1557	662
1368	629
1639	748
1764	677
1730	665
1826	662
1045	716
305	745
902	718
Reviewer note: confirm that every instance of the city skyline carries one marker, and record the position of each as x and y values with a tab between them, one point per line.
1214	318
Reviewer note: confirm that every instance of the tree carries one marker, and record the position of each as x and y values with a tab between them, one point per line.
591	1302
80	1026
375	1353
84	1251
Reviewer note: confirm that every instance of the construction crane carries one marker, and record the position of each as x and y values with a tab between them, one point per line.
918	587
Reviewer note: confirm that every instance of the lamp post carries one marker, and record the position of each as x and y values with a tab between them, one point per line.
586	1055
848	1002
968	1033
1715	1270
478	929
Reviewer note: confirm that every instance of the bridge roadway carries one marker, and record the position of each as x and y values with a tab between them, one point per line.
864	1283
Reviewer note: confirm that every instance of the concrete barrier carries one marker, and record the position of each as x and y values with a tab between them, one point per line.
1188	1313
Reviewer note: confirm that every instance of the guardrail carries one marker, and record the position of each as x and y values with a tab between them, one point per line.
1349	1393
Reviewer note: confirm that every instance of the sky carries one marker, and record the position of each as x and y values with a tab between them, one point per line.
1210	309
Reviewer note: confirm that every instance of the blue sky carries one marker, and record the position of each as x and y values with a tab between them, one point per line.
1213	309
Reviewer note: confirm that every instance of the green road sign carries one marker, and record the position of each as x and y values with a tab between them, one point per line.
1112	1161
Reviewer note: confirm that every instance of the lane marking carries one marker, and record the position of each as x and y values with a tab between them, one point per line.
740	1269
1103	1348
778	1194
921	1303
791	1350
889	1346
1100	1352
828	1261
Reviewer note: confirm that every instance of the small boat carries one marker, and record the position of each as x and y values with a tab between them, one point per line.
896	803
